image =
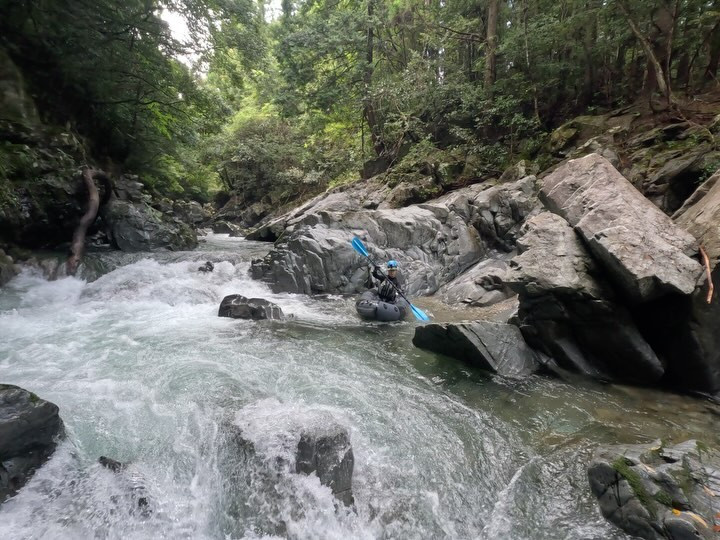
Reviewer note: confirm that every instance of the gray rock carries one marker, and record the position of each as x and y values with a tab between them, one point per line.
327	453
237	306
224	227
639	247
190	212
135	226
323	448
638	488
688	329
568	314
521	169
8	269
29	430
495	347
434	242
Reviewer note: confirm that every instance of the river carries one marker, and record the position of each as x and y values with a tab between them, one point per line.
145	372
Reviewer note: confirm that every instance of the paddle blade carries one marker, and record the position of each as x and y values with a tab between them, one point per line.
359	247
419	313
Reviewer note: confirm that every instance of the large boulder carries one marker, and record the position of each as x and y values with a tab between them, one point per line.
640	249
657	492
236	306
568	313
434	242
135	226
29	430
496	347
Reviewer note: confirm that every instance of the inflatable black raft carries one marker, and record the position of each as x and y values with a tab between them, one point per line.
369	306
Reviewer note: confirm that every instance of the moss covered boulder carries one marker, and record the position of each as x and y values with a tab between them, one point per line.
656	492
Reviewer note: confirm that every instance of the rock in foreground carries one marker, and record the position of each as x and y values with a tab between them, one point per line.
29	429
495	347
654	493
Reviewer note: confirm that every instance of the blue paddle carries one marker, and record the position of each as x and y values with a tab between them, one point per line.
360	248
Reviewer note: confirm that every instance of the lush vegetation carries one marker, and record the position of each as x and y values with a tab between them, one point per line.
283	105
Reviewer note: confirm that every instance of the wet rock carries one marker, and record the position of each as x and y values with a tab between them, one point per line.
654	492
237	306
639	247
327	453
207	267
567	313
224	227
482	285
135	226
321	447
192	212
495	347
29	430
134	484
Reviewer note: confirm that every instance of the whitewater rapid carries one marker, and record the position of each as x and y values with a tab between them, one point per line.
145	372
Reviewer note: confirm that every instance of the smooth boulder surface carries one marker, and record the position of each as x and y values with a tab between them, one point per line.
29	430
655	492
480	286
237	306
434	242
566	312
495	347
642	251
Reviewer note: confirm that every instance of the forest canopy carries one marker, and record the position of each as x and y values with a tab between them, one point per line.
292	103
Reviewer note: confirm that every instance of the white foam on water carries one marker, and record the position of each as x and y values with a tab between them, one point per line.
145	372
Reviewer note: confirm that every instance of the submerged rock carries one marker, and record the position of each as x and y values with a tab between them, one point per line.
327	453
238	306
267	452
29	430
133	483
654	492
496	347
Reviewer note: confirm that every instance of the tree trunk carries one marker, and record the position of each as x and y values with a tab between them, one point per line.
655	50
369	107
589	38
490	55
77	248
714	62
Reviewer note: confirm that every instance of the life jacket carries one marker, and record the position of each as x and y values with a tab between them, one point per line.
387	292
